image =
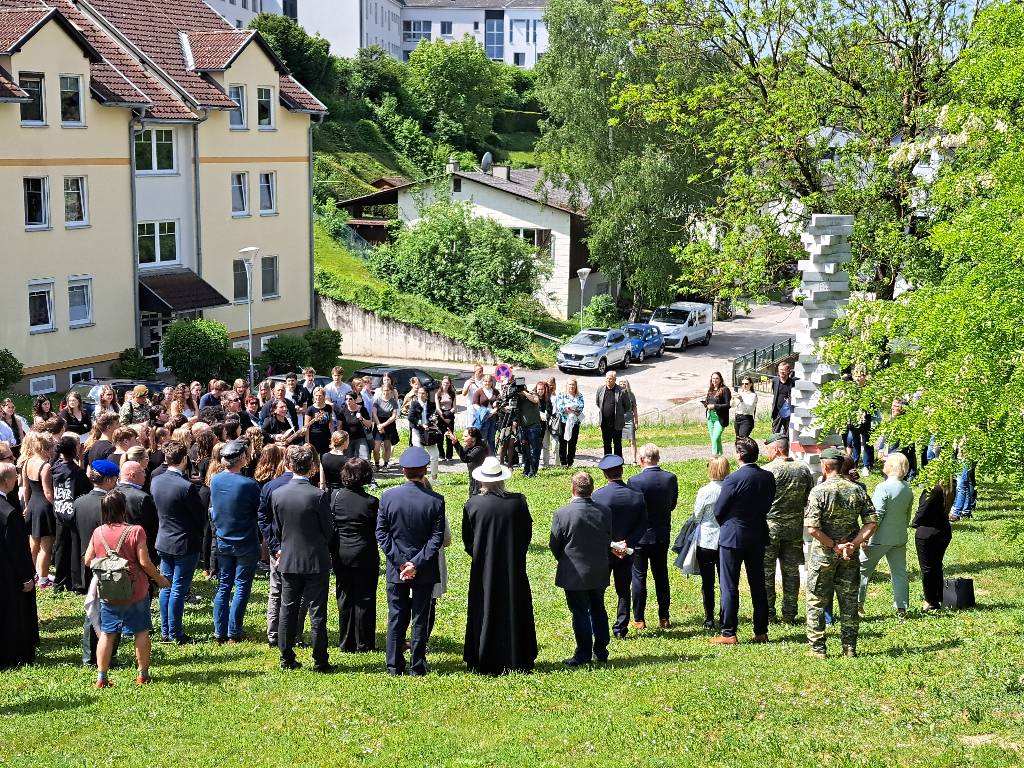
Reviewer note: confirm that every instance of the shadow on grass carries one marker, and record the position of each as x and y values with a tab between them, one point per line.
623	662
44	704
905	650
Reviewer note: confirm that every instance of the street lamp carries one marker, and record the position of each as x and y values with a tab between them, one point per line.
248	255
583	273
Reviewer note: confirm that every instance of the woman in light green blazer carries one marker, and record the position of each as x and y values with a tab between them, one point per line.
893	500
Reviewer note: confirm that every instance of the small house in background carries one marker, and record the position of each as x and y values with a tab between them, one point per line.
543	214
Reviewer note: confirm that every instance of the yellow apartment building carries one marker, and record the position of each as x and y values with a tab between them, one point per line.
143	146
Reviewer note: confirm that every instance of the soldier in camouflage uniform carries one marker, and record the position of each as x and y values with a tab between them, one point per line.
793	482
839	518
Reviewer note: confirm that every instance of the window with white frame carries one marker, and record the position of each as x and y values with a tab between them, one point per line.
239	194
158	242
494	35
240	282
519	59
34	111
240	344
37	203
42	385
82	374
268	276
76	203
71	102
446	29
415	30
268	192
154	150
79	301
265	107
237	116
264	340
40	306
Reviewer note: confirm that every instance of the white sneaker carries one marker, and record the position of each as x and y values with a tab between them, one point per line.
864	471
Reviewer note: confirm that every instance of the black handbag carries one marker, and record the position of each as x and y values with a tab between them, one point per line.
958	594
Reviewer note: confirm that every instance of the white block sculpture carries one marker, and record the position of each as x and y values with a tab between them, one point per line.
827	291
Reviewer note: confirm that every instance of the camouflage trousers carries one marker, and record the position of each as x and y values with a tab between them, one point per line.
789	552
829	575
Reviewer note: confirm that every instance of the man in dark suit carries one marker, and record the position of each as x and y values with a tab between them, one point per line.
179	539
661	492
629	523
265	521
303	523
782	398
612	403
103	474
581	536
141	509
410	532
742	515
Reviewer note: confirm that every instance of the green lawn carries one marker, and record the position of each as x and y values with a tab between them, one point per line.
941	690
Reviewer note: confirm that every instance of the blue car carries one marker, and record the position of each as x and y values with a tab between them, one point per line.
644	340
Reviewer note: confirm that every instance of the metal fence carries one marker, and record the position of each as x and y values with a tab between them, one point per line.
758	359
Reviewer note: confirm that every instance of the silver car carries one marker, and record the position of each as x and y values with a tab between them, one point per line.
595	349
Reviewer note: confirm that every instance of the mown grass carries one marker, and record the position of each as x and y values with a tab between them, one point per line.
937	690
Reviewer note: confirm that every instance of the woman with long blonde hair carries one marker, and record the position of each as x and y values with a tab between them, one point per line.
37	480
270	465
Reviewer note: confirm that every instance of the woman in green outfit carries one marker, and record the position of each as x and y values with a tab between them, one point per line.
717	403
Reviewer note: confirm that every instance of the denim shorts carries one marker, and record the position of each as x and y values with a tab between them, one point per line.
126	619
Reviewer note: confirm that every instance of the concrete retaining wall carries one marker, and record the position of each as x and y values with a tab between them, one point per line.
367	336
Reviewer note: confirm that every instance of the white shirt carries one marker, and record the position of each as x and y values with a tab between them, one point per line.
336	393
704	511
746	403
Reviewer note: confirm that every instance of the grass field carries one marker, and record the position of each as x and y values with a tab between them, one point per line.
937	690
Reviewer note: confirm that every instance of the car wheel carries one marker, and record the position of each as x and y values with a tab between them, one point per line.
602	366
661	351
707	339
684	344
560	368
625	361
642	356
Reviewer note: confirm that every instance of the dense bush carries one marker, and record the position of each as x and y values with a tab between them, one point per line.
194	350
235	365
486	327
324	348
514	121
11	370
130	364
601	312
285	354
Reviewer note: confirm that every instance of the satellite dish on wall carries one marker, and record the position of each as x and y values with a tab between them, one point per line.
486	162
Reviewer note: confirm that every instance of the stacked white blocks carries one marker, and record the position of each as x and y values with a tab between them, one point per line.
827	290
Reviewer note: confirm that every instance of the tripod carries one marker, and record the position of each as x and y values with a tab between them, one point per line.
508	434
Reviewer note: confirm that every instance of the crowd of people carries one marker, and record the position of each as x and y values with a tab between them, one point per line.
127	503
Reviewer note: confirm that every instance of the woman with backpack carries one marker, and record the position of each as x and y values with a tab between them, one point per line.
119	558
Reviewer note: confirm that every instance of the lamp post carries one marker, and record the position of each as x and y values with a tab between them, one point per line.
583	273
248	255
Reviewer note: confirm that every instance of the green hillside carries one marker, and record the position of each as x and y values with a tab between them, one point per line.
349	154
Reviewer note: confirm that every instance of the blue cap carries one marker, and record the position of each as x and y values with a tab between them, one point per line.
105	468
610	462
414	458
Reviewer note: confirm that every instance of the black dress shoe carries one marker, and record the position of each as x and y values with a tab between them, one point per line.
185	640
323	669
601	659
709	624
572	662
620	635
291	664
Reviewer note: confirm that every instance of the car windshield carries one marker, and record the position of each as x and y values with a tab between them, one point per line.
588	339
669	315
635	333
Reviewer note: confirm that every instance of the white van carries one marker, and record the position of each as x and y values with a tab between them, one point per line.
684	323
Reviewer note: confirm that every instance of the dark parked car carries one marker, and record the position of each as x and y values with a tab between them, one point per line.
89	390
401	377
321	381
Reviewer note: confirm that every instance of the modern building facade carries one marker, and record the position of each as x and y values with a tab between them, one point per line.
238	13
142	146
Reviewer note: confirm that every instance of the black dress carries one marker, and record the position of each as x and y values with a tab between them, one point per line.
932	536
19	631
332	464
356	563
500	632
319	420
72	424
40	513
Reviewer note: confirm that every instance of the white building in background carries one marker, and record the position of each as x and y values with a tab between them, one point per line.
512	31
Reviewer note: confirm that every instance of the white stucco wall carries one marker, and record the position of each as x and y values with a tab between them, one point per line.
171	196
353	24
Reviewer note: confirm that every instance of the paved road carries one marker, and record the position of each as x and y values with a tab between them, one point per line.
662	386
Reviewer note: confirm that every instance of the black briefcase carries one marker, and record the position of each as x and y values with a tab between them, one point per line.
958	594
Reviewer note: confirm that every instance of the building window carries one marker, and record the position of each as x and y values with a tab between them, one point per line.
446	29
414	31
268	273
265	106
290	8
154	150
476	26
32	113
241	282
76	204
37	203
158	242
239	194
264	340
71	100
534	32
237	116
240	344
456	185
82	374
494	36
80	301
42	385
519	59
40	306
268	193
245	4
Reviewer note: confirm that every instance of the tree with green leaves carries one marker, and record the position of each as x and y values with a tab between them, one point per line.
195	350
308	57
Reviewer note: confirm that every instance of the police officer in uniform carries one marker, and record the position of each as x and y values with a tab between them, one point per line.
629	524
793	483
839	518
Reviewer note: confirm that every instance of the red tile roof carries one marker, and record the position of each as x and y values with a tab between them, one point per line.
9	90
298	99
214	51
16	24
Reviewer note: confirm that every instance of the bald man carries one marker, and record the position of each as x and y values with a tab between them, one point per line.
141	509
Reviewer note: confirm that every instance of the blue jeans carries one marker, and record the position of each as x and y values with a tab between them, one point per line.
489	429
179	570
858	438
234	572
531	456
589	623
966	491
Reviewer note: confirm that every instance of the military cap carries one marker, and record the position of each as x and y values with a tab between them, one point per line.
610	462
414	458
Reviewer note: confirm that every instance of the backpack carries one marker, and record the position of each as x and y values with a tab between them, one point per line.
113	572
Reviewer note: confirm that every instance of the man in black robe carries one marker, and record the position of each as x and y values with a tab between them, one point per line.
496	530
19	635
